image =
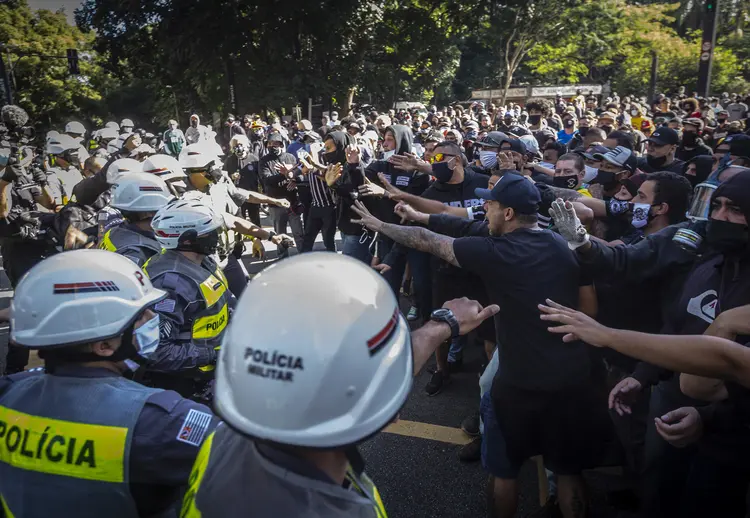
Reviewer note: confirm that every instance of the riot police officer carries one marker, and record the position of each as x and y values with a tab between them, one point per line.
299	394
198	305
64	170
78	439
138	196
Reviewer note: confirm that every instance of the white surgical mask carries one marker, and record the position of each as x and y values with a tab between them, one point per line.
388	154
147	337
590	174
488	159
634	113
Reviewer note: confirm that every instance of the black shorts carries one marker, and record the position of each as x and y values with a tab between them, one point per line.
559	425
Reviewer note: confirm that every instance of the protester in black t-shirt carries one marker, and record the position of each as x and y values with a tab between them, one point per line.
660	152
541	394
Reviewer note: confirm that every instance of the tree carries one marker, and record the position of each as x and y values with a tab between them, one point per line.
42	84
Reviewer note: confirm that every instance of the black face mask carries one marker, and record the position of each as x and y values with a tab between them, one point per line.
442	172
656	161
721	121
606	178
329	158
582	131
606	129
727	237
565	182
275	151
689	139
534	119
569	123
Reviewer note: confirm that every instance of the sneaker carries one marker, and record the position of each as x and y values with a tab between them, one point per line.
436	383
551	509
470	425
471	452
413	314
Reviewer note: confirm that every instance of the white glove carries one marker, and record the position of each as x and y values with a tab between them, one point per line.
568	224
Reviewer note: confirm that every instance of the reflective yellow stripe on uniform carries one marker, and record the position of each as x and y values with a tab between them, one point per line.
213	288
366	487
107	243
189	510
89	451
4	507
211	326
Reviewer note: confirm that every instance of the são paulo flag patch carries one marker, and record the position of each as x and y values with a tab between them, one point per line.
194	427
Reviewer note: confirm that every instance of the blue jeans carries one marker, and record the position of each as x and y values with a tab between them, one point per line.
352	247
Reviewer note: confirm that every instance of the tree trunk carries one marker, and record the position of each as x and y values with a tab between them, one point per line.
348	101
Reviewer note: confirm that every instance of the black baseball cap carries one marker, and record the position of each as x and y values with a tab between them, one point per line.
596	150
739	145
516	145
492	139
621	157
515	191
664	136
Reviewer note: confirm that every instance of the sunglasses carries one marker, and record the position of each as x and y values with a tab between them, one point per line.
440	157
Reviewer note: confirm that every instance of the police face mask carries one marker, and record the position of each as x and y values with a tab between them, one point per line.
488	159
146	337
565	182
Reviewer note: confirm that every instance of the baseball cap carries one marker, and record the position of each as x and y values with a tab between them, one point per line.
492	139
515	145
664	136
275	137
739	145
646	124
694	121
514	191
607	115
305	125
596	150
619	156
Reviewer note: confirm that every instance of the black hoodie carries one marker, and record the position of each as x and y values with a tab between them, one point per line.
346	186
413	182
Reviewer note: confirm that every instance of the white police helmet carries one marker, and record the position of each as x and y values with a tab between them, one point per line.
76	128
126	123
120	167
165	167
140	192
78	297
60	144
113	125
185	215
197	156
335	374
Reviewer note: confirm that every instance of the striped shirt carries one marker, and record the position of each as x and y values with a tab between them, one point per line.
322	195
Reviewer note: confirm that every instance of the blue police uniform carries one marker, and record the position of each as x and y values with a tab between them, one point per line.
94	456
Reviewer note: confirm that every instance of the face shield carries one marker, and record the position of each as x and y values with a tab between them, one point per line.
700	208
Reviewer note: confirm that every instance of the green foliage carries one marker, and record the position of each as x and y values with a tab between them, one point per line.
43	85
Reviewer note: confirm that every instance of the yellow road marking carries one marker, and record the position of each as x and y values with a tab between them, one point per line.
428	431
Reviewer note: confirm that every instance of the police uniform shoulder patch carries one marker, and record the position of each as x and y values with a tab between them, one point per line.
166	306
194	427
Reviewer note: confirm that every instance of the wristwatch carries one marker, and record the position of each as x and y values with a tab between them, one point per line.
447	316
271	235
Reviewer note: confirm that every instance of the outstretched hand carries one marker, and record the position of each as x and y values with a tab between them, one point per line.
568	224
366	218
470	313
575	325
394	193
